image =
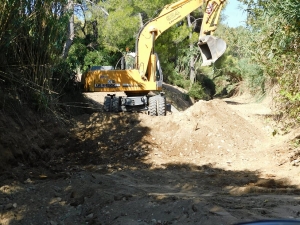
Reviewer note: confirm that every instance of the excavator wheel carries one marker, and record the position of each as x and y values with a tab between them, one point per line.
107	103
161	106
115	105
152	106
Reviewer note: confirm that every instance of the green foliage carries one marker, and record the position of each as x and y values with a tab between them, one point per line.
167	53
120	29
94	58
253	76
179	34
178	80
197	92
237	65
77	54
108	36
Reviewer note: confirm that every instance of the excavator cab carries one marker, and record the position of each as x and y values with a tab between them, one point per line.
211	49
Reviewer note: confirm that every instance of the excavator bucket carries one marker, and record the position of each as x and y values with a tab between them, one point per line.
211	49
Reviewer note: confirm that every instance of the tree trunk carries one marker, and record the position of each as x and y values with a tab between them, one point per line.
141	20
71	32
192	61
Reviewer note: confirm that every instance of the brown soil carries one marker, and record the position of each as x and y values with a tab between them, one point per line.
217	162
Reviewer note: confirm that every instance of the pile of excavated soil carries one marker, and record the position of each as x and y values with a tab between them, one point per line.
209	130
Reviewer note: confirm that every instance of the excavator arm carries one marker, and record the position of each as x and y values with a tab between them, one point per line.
211	48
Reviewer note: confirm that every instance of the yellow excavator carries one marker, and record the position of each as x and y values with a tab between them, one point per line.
141	72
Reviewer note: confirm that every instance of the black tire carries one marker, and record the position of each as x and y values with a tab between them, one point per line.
115	105
152	106
107	104
161	106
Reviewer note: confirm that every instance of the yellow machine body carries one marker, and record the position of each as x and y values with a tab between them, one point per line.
118	81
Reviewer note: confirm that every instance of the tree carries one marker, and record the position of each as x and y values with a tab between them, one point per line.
71	29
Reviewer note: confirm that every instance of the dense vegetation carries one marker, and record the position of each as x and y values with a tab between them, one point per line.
45	43
32	36
275	45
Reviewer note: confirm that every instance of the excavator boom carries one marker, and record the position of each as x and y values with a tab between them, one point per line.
172	14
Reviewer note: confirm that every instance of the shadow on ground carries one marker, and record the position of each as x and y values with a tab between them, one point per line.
234	103
175	194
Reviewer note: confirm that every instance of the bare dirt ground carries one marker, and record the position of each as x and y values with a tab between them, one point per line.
217	162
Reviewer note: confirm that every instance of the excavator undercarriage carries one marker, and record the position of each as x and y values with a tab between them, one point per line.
154	105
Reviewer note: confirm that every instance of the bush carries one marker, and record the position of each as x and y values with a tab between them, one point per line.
197	92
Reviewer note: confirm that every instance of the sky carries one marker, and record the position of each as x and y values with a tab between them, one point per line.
234	14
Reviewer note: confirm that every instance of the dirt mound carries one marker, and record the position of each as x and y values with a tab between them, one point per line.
28	139
210	130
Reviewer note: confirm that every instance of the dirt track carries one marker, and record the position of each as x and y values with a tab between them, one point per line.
217	162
